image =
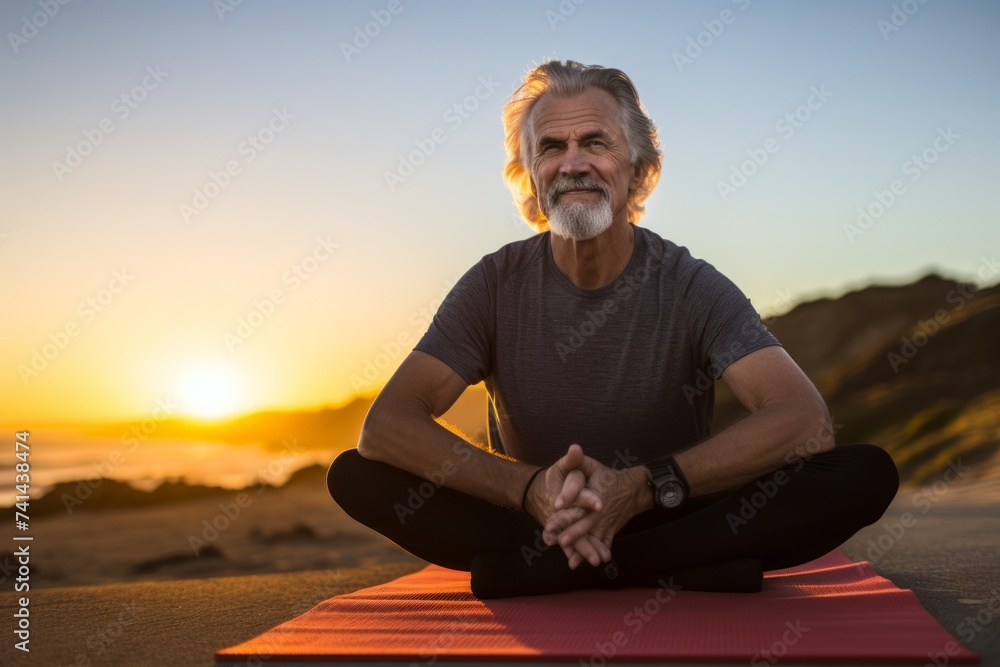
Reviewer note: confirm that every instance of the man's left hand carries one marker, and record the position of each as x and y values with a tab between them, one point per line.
619	503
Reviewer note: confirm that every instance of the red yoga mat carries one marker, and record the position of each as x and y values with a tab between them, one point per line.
828	610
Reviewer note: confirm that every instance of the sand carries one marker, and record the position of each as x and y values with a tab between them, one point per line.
124	586
259	530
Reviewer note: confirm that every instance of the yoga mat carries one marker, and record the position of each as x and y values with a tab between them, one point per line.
828	610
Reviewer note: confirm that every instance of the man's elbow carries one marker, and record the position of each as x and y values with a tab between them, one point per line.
366	445
816	428
388	428
371	442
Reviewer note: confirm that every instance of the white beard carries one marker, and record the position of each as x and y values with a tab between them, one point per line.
579	220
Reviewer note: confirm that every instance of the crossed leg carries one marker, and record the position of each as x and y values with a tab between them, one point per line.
785	517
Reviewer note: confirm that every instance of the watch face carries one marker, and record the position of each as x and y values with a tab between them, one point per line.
671	494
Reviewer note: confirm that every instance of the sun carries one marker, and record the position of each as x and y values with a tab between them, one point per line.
209	393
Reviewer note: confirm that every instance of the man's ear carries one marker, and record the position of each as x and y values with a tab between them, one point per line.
636	180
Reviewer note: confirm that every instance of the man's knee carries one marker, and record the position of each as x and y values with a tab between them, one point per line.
876	464
874	471
343	476
862	477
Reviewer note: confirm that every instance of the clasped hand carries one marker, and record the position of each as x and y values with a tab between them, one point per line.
582	504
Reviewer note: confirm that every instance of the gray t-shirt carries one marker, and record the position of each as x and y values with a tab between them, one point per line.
627	370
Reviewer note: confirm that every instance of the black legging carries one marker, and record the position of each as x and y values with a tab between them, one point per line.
783	520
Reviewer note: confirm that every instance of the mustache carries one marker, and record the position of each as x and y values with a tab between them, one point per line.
567	184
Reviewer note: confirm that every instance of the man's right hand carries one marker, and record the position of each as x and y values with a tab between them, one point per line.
561	484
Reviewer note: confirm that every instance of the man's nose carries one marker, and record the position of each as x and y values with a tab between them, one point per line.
574	162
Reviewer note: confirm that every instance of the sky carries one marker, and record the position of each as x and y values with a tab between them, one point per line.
215	207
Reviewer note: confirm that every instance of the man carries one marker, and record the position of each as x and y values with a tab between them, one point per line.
591	337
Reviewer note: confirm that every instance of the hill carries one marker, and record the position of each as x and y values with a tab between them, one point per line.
912	368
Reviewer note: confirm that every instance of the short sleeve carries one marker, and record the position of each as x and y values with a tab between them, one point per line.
462	332
725	324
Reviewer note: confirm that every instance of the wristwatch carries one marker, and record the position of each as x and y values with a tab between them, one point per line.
670	489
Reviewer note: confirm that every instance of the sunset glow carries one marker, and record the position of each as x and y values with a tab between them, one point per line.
210	393
273	228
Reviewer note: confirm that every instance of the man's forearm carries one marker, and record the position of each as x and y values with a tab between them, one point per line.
761	442
413	441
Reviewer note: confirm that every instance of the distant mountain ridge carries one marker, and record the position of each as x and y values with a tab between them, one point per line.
333	429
